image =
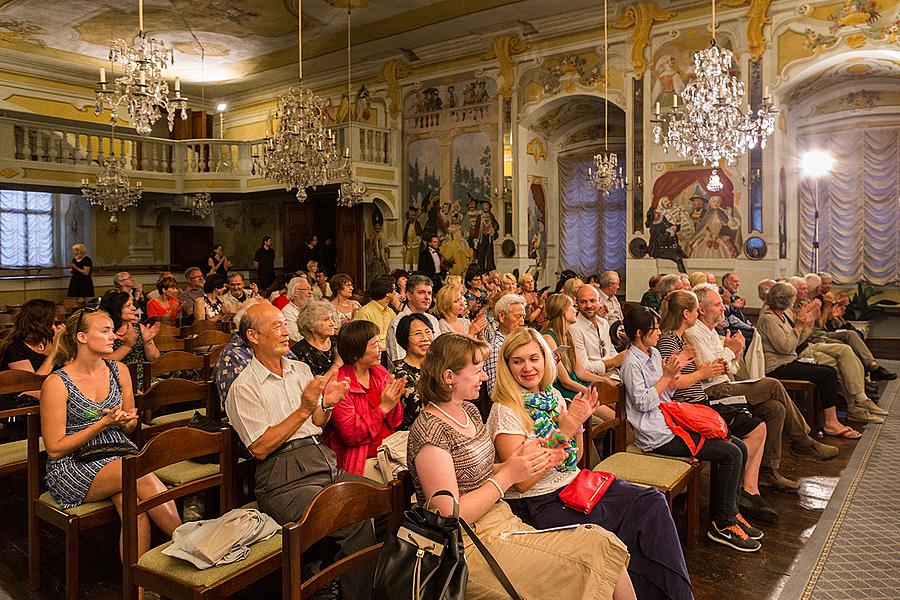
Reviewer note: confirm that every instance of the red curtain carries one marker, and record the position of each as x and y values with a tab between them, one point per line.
674	182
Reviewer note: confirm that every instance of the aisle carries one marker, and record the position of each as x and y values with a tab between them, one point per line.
854	553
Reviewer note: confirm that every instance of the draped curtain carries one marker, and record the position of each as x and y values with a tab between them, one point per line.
859	205
26	229
592	230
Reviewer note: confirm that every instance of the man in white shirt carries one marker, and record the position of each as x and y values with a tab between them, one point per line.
590	334
510	311
766	398
609	285
418	300
278	410
299	291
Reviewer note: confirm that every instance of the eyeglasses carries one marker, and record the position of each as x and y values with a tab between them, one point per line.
81	316
425	333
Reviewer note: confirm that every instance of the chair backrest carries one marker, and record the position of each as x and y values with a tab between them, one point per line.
175	360
14	381
168	344
200	326
168	448
165	393
609	393
337	506
206	338
214	353
169	330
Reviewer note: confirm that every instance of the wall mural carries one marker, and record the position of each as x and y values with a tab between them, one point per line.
673	68
537	230
472	169
457	101
687	221
423	184
856	21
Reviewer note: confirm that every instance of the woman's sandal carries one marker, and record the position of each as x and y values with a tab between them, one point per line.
847	433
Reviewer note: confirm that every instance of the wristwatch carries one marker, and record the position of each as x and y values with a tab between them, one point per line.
325	409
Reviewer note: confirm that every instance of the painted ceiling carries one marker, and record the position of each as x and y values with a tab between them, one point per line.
256	40
854	69
568	120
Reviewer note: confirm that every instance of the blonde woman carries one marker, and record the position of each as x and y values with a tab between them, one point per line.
534	310
571	286
81	285
572	377
450	449
449	308
508	283
696	278
527	406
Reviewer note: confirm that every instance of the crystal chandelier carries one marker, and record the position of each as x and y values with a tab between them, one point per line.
201	205
112	190
350	191
302	151
607	175
713	125
142	88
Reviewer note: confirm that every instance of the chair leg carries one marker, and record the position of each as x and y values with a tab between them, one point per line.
693	507
34	549
73	539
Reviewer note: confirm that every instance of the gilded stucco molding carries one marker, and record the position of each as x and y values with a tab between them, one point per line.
502	50
641	15
392	73
758	18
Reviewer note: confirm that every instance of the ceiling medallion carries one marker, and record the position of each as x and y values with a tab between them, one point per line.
713	125
142	88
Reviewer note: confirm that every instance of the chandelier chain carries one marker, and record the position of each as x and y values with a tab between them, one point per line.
608	174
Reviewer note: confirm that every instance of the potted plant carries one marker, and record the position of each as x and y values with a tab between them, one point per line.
861	309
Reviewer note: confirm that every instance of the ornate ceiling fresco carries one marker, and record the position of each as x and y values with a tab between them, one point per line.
855	69
576	120
254	39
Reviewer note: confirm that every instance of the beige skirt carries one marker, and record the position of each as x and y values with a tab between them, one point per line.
569	564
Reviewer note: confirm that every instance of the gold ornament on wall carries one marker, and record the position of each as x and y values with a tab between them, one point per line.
536	150
642	15
503	49
758	18
392	73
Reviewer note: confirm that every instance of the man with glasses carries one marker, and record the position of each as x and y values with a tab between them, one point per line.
124	282
590	334
299	291
195	281
418	300
378	310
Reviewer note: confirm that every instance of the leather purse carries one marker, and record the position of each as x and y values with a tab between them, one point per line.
585	491
106	450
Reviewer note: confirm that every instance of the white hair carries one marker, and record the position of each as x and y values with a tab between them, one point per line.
505	303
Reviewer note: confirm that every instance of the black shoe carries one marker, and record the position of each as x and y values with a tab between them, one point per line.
734	536
752	532
756	508
879	373
872	390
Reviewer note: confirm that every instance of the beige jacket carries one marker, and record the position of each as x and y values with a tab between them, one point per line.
779	339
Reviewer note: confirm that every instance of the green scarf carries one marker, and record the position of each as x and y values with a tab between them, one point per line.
542	407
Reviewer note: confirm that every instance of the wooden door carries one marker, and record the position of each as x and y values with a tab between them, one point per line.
190	246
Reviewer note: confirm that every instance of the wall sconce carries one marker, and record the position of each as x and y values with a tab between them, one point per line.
754	179
635	185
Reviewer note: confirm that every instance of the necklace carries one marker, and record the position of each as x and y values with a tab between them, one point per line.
444	412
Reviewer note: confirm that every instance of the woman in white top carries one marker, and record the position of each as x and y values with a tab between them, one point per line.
450	306
526	406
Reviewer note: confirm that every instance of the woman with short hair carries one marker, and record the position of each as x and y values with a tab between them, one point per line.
371	410
343	301
166	305
527	405
450	449
210	306
414	335
317	346
81	285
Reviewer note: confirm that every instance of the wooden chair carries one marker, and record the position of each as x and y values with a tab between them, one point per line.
168	392
73	521
809	404
611	393
337	506
14	454
174	361
173	577
199	327
670	476
214	353
205	339
169	330
168	344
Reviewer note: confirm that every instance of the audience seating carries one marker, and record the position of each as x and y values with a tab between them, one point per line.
608	394
14	454
73	521
169	330
204	339
669	476
172	577
168	392
168	344
172	361
810	405
201	326
337	506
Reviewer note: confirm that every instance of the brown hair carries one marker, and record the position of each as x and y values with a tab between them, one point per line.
338	282
557	305
448	351
165	282
673	307
353	339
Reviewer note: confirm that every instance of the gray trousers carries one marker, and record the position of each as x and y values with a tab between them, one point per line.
286	482
770	402
852	339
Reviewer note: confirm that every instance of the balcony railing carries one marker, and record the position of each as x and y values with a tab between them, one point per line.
82	149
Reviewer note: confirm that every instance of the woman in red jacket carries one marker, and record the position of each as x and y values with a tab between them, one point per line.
371	410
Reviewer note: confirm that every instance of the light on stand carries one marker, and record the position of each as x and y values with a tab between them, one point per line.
816	164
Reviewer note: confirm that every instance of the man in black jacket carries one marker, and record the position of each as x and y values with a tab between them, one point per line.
430	262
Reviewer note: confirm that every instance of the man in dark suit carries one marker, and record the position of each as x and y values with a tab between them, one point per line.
430	262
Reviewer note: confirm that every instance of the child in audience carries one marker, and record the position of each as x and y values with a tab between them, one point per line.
526	405
648	382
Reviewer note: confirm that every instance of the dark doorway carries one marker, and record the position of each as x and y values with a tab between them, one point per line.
190	245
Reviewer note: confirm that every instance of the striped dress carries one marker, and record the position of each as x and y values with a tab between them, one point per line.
68	479
669	343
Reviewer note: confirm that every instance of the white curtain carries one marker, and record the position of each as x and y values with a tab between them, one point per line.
26	229
592	231
859	205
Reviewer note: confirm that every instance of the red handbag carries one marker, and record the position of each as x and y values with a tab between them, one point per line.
585	491
682	417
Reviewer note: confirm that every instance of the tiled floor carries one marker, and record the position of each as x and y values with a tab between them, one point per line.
861	555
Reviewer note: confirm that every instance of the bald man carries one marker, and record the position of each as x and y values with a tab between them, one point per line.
590	334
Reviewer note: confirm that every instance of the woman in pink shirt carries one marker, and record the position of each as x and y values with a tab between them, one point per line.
371	409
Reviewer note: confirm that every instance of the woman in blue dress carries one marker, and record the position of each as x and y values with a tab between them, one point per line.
89	401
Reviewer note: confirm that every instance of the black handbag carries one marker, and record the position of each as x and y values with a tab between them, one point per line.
425	559
105	450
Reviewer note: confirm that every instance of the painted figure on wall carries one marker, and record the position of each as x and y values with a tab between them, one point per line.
664	222
488	231
412	239
537	242
456	248
377	254
719	233
669	81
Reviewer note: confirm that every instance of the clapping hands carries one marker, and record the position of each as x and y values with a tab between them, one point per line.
118	416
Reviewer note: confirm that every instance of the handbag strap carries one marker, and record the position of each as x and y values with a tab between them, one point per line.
491	561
